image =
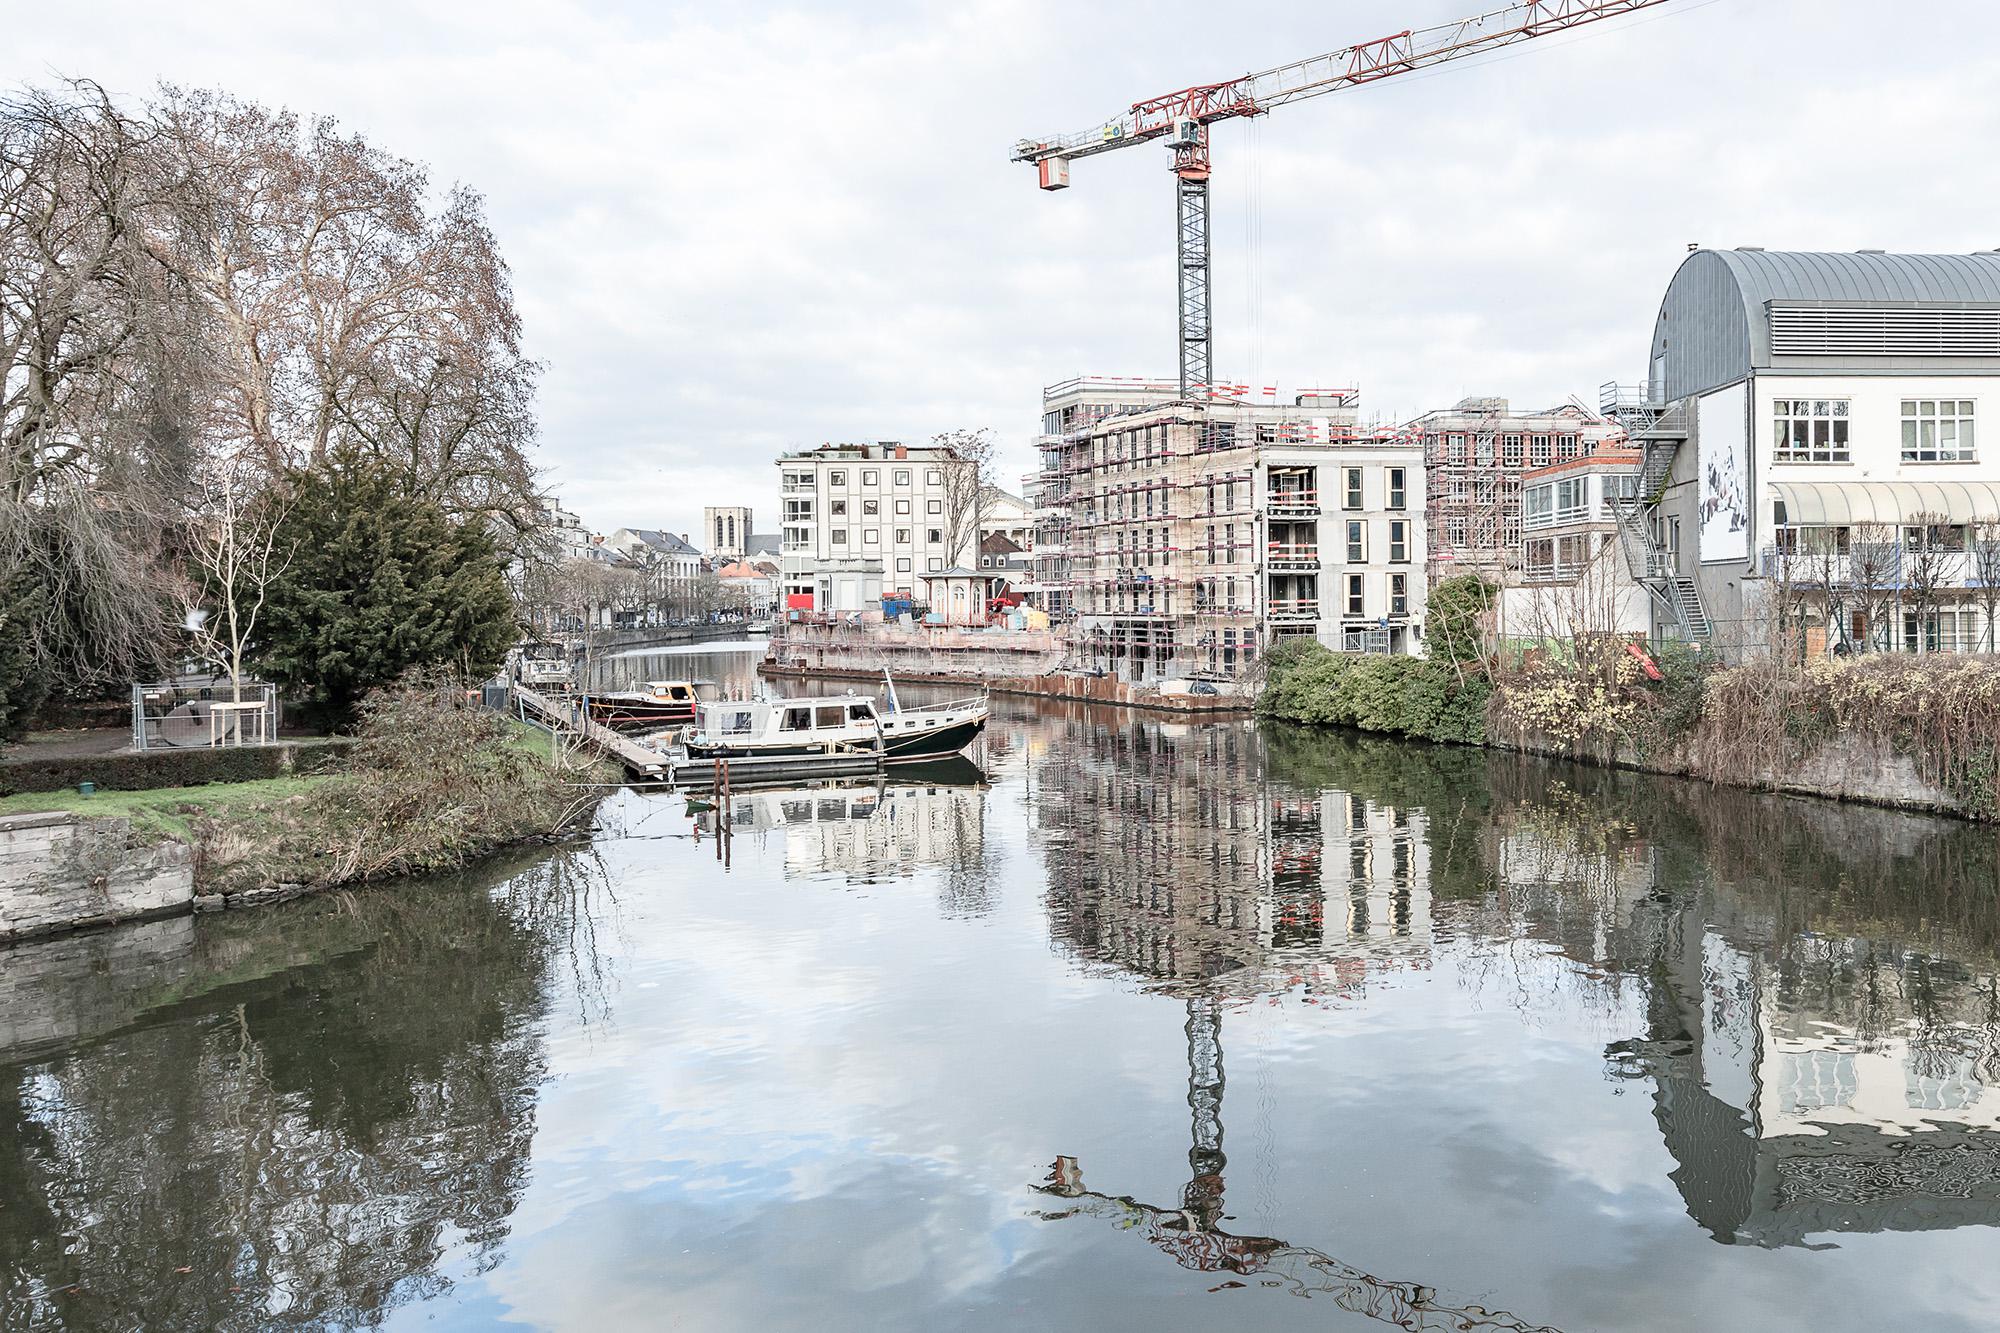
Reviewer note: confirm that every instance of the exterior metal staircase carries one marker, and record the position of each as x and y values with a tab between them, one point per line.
1658	429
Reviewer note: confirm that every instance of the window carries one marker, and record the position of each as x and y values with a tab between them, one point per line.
829	717
934	564
1399	541
871	537
1937	430
1570	501
1399	594
902	564
838	537
933	477
902	536
871	478
796	719
1538	506
1357	541
860	713
934	507
902	476
798	511
902	506
836	478
1351	487
1398	489
933	534
871	507
986	562
1809	430
837	508
1355	601
1936	538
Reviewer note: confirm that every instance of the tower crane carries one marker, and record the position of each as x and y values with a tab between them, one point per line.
1182	120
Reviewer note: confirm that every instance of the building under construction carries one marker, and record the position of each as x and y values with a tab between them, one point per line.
1179	536
1474	454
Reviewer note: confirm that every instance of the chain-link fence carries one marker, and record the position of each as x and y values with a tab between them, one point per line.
194	712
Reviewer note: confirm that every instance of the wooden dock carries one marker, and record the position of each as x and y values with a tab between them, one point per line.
568	715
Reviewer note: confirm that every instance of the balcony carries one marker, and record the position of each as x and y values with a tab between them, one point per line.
1296	610
1297	555
1282	502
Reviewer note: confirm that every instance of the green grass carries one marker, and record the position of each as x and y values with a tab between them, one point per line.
164	810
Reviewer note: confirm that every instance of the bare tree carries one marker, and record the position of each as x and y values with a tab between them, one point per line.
1930	546
1985	559
233	554
967	478
1873	564
1823	553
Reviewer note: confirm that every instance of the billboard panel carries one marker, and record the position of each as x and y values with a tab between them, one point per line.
1721	423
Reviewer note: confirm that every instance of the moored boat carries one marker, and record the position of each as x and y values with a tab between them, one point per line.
655	703
834	728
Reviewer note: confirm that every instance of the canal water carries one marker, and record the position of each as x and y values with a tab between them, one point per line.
1130	1024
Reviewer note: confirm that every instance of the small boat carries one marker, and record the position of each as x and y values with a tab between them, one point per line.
655	703
834	729
545	667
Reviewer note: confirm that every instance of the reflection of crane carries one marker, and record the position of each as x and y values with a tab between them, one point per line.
1182	119
1192	1235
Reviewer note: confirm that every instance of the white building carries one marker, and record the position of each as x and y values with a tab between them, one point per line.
862	521
1827	403
725	529
672	564
1574	576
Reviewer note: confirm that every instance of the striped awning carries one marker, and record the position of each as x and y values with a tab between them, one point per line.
1844	503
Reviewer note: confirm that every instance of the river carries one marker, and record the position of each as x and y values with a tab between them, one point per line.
1134	1025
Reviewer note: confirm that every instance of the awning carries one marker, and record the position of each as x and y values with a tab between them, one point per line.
1815	504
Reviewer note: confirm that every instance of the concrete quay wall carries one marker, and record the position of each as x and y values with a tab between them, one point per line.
65	872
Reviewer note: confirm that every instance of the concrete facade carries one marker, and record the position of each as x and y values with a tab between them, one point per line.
862	521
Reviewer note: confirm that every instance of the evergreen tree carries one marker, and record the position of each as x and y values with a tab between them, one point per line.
23	682
378	580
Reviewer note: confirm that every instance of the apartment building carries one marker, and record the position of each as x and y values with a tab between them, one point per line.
1194	533
1575	575
1474	456
862	521
1809	424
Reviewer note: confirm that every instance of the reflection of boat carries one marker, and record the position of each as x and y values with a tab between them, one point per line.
656	703
833	728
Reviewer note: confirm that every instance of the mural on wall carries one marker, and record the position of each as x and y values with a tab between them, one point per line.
1724	512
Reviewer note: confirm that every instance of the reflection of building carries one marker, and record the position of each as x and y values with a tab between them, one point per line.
868	832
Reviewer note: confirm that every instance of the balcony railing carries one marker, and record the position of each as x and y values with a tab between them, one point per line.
1292	502
1296	608
1292	556
1884	566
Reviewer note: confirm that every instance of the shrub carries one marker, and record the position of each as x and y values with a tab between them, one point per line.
1455	618
169	768
1392	694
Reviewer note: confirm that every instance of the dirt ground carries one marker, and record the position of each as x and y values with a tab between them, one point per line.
73	744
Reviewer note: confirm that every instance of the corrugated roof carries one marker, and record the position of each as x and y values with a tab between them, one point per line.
1714	322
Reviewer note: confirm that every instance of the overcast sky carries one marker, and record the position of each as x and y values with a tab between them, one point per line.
740	228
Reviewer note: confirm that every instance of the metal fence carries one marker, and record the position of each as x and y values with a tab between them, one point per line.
194	712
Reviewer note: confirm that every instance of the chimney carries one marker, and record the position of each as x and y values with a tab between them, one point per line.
902	454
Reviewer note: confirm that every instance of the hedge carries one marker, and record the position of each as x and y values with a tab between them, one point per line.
171	768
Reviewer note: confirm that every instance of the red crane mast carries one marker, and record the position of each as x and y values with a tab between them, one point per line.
1182	120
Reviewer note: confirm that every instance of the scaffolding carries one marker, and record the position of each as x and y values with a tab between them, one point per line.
1474	455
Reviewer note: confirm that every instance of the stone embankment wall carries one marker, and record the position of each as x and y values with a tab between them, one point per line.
618	640
62	872
1855	767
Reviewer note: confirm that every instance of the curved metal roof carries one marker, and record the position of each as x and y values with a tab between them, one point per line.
1713	327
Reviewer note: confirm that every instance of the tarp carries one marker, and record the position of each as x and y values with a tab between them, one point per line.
1817	504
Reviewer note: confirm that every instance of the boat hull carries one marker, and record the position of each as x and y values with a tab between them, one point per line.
639	714
931	744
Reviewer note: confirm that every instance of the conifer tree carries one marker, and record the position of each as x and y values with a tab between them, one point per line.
378	580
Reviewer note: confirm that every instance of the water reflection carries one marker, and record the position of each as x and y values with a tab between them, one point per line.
311	1110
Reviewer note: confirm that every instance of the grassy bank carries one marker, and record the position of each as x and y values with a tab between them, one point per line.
431	784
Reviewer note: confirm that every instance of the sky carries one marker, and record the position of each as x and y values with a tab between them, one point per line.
742	228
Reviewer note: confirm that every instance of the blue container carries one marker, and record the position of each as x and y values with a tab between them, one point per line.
86	788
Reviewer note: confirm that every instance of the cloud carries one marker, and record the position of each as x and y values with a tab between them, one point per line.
740	229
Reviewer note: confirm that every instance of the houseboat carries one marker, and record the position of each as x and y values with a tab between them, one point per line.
834	728
654	703
545	667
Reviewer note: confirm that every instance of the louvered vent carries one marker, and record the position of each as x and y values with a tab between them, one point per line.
1798	330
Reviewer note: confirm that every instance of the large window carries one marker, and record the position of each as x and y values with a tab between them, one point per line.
1571	504
1399	541
1398	489
1399	594
1937	430
1355	601
1809	430
1538	506
1351	487
1357	542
